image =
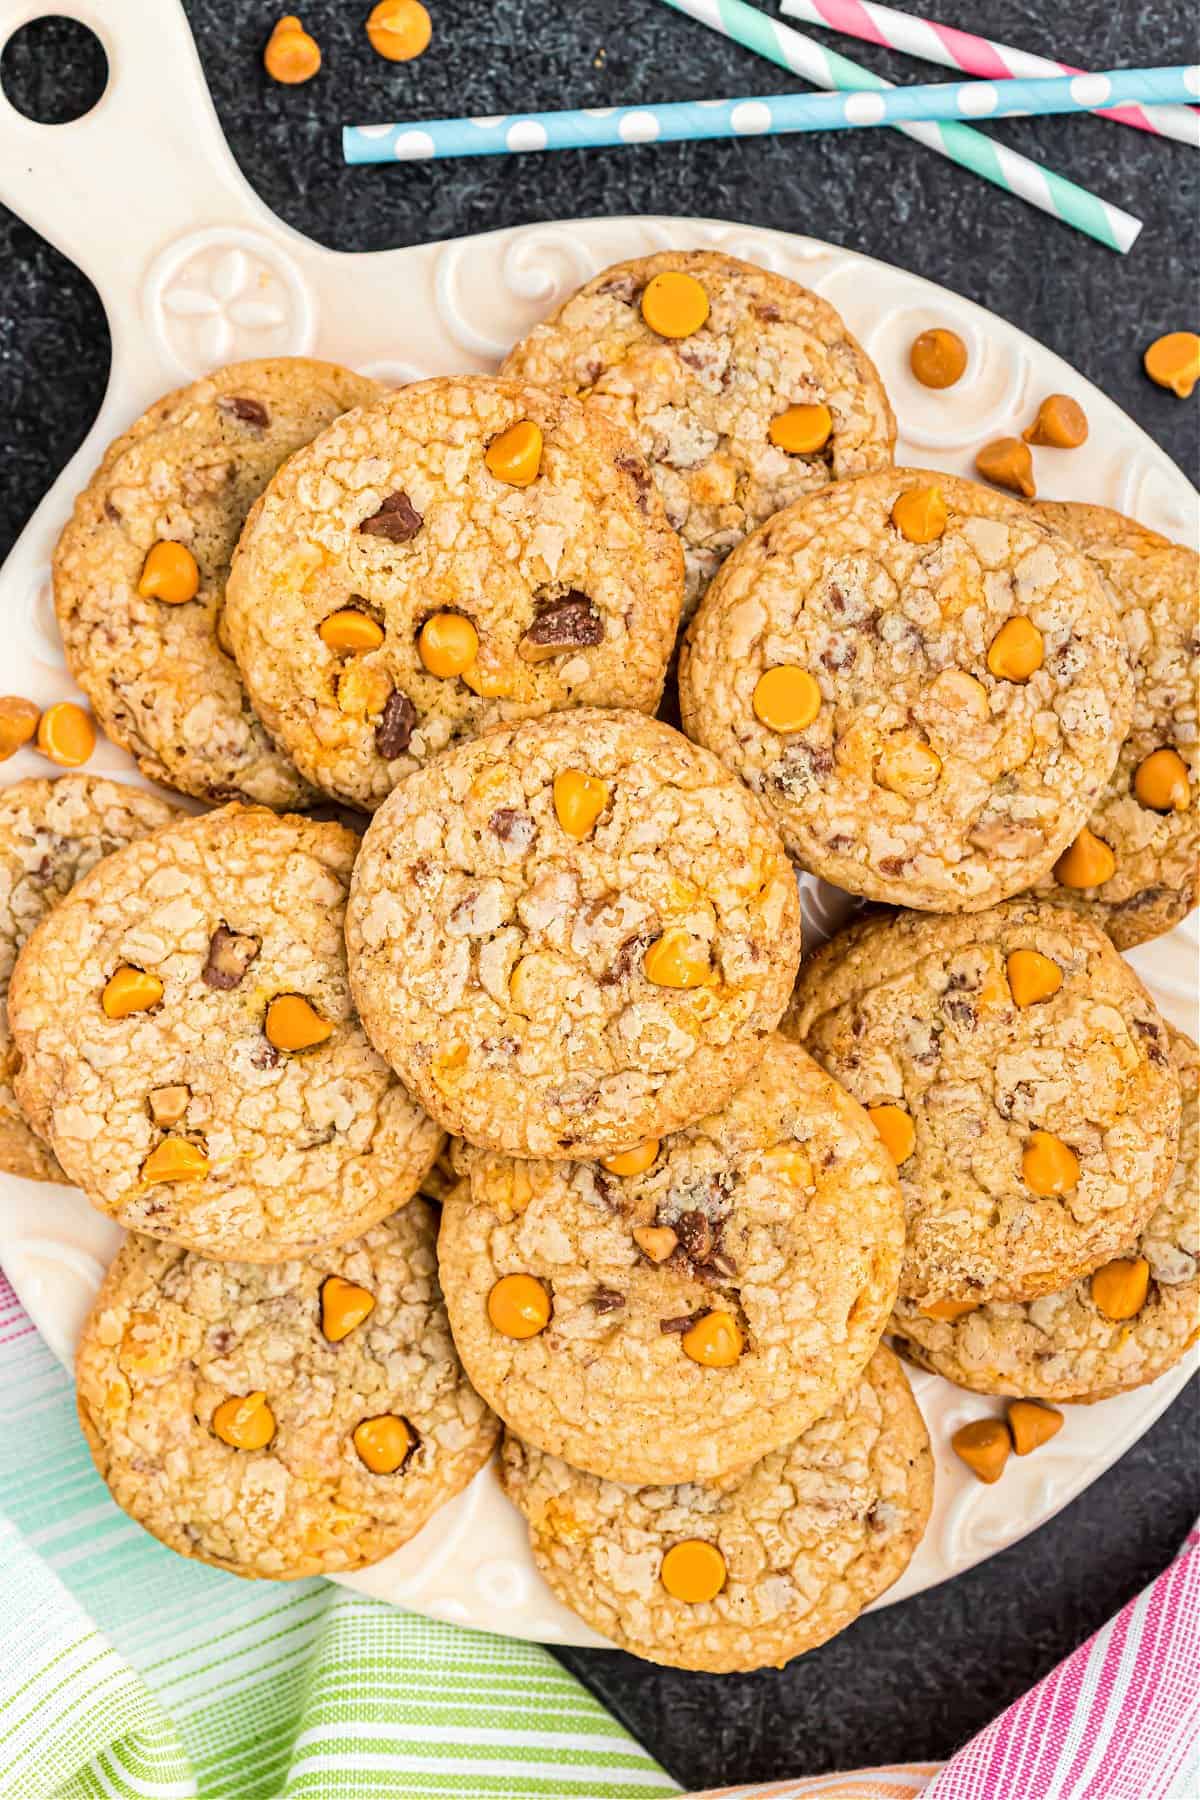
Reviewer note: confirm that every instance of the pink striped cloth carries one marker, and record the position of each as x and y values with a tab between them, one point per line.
1118	1720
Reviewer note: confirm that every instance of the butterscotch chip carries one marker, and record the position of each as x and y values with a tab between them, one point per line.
18	723
985	1446
1032	1425
1060	422
159	674
1008	463
926	770
704	404
547	994
938	357
276	1149
805	1538
551	584
1173	361
770	1233
1045	1134
1155	587
231	1425
52	833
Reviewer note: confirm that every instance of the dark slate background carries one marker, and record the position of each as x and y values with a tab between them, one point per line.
915	1680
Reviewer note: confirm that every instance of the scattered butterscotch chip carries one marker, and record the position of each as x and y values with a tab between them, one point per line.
938	357
897	1130
174	1159
786	698
1161	782
66	734
344	1305
1119	1289
920	514
674	304
291	55
18	722
633	1162
677	960
1061	424
715	1340
1032	977
579	799
447	644
170	573
350	629
693	1571
130	991
908	767
1017	651
1008	463
1032	1425
984	1445
399	30
519	1306
1173	361
948	1311
384	1443
1086	863
516	455
1049	1166
292	1024
801	430
244	1421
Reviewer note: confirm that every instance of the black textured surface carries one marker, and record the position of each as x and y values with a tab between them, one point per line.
913	1681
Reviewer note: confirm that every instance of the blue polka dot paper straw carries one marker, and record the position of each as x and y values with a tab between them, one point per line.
603	127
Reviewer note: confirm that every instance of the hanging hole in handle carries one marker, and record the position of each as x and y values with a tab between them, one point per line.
53	70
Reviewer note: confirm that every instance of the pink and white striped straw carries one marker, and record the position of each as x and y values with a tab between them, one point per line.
925	38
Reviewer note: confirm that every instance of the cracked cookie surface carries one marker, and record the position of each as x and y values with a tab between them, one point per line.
566	993
265	1147
701	407
560	591
160	674
1155	586
1038	1108
173	1338
912	772
781	1211
803	1541
51	834
1064	1346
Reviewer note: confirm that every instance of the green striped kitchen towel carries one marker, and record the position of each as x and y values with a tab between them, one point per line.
129	1671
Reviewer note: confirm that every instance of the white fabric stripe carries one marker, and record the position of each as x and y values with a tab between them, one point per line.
69	1664
432	1765
92	1515
484	1735
1083	1719
1162	1626
153	1790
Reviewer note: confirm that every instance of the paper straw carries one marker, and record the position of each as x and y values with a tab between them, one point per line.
932	42
759	114
1008	169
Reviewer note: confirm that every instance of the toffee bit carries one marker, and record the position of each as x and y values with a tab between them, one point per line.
606	1300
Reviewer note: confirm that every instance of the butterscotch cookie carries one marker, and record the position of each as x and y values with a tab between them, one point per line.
51	833
287	1420
466	552
742	389
140	572
928	687
1021	1077
1134	869
190	1049
753	1572
573	934
676	1312
1127	1324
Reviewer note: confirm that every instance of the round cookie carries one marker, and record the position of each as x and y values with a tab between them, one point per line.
766	354
1021	1076
158	671
930	723
51	833
466	552
1066	1346
572	934
771	1232
190	1049
800	1543
281	1421
1155	587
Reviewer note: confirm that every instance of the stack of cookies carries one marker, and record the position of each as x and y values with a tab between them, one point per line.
690	1184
